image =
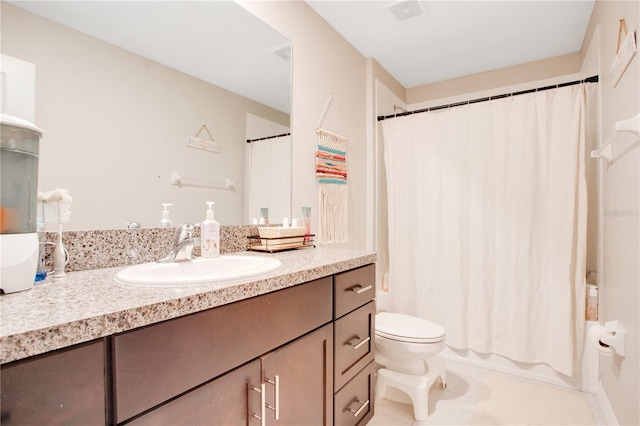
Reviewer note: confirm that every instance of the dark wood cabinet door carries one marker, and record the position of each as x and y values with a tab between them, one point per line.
304	369
62	387
224	401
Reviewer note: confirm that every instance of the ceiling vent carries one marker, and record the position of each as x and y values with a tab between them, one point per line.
406	9
284	52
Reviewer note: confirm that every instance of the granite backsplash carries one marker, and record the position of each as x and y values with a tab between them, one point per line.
121	247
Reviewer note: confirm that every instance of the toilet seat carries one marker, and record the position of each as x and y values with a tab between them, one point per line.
409	329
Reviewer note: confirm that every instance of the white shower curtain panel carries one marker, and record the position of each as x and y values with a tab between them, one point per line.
487	223
270	178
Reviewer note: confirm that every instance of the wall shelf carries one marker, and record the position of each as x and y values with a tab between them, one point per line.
631	125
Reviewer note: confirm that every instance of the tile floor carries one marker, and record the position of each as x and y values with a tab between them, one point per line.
476	396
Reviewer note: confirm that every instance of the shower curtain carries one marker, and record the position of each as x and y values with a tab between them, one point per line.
487	223
270	178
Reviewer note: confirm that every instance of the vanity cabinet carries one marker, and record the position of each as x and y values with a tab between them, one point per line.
354	346
297	356
66	386
283	376
155	364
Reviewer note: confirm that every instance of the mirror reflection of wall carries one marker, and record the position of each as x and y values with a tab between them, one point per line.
116	123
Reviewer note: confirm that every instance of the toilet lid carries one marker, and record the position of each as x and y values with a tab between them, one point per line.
407	328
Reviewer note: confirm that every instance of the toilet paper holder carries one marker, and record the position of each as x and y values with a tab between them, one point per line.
616	338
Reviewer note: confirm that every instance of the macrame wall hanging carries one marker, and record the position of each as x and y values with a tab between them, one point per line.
331	174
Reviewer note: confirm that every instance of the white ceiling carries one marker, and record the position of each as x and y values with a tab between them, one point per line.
458	38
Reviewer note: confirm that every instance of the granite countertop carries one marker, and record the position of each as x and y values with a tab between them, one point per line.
86	305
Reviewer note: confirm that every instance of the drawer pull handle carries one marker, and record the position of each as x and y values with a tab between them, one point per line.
261	391
357	342
358	289
276	409
356	412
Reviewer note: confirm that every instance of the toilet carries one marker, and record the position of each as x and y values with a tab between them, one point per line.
407	349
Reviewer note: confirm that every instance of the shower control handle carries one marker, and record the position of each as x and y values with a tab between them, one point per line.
358	289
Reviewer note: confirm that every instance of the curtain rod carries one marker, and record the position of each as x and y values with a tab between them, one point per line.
593	79
268	137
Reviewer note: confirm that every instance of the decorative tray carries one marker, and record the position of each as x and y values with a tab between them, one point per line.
279	231
273	244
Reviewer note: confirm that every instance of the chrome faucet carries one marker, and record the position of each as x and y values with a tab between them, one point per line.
183	243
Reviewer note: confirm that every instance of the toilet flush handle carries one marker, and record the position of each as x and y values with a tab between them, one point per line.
358	289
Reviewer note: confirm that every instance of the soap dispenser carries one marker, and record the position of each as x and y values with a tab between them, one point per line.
210	234
166	222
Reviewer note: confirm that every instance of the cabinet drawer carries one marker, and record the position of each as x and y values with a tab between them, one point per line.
354	343
353	289
354	402
61	387
156	363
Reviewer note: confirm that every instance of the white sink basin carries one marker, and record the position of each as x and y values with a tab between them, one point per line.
197	271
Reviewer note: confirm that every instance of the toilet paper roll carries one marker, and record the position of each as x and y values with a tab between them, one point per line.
597	332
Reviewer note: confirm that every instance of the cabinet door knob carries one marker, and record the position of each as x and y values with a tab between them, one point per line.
357	342
358	289
276	408
260	390
357	411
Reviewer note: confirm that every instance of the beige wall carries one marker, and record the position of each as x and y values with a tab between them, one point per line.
116	126
620	230
531	71
387	80
324	63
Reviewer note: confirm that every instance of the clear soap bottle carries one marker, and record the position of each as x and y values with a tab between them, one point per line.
166	222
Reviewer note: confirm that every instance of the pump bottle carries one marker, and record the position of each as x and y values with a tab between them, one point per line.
166	222
210	234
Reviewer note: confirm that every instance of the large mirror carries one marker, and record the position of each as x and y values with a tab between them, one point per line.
151	102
